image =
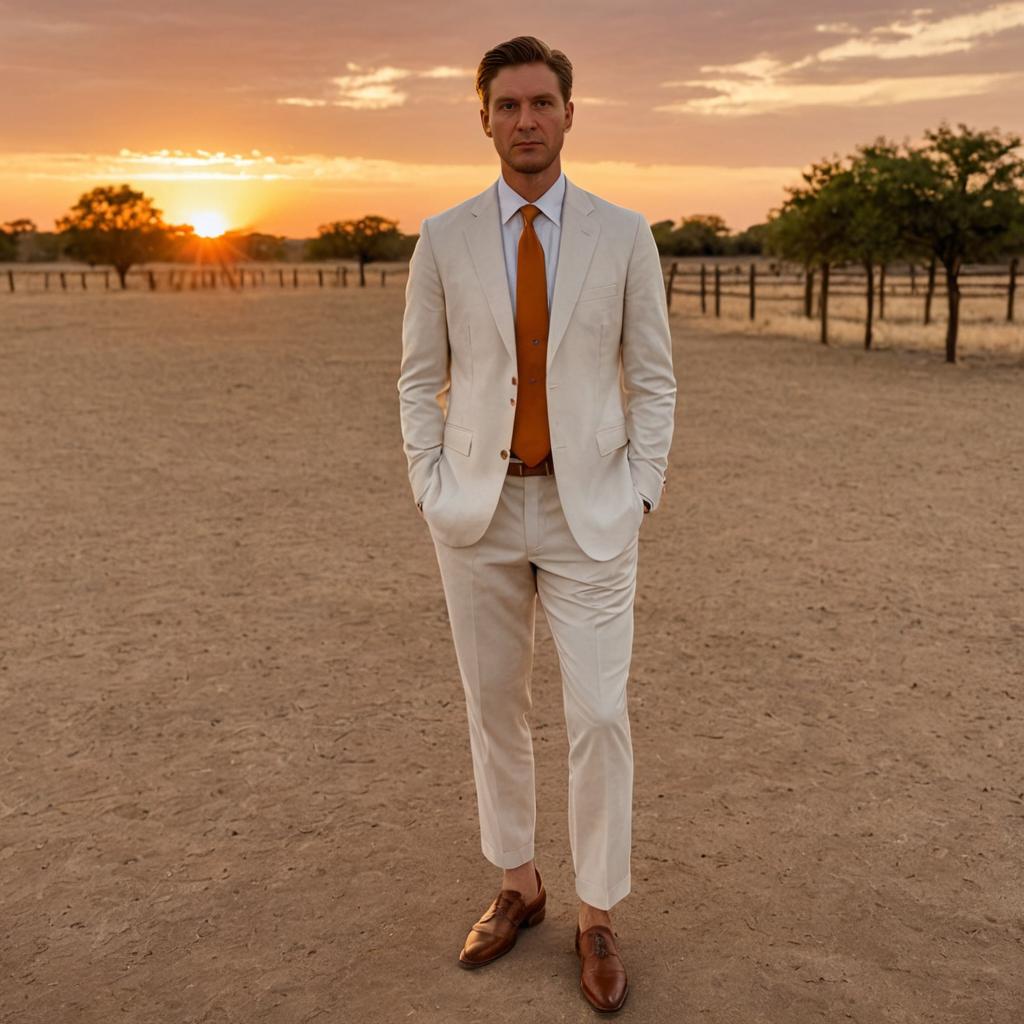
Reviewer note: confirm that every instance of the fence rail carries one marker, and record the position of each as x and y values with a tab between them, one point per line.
197	279
750	284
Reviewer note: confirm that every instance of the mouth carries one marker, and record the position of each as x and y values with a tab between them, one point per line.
527	143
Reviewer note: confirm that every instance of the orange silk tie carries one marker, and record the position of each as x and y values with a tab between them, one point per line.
531	441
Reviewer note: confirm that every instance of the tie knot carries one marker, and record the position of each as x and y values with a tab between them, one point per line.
529	211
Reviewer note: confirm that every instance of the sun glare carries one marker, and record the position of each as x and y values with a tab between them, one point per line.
208	223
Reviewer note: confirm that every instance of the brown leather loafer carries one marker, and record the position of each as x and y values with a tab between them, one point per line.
496	932
602	973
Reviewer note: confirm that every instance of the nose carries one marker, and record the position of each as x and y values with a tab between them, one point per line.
527	118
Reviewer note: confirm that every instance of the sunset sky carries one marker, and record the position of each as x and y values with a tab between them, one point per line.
279	117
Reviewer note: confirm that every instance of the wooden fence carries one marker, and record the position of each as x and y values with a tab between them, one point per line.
756	283
753	284
179	279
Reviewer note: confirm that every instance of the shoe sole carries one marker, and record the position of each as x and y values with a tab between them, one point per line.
527	922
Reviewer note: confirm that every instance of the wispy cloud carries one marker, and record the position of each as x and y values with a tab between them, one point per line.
920	38
764	84
760	95
127	164
375	89
32	26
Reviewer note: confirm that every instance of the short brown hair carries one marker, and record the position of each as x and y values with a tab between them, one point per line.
522	50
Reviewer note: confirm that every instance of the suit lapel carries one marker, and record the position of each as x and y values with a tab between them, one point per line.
579	234
578	240
483	235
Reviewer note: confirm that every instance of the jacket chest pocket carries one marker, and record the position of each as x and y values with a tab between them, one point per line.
600	291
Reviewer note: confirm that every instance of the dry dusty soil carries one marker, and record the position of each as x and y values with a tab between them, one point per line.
236	783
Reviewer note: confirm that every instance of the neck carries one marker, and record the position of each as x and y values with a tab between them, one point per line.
532	186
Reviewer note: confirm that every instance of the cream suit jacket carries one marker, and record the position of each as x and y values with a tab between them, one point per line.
610	383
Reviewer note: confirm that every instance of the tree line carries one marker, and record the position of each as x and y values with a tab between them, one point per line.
957	198
120	227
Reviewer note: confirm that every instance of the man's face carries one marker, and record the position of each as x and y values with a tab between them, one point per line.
527	117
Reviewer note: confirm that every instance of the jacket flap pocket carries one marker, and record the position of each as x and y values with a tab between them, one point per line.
610	438
457	438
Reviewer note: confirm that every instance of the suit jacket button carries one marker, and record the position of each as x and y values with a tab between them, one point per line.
504	453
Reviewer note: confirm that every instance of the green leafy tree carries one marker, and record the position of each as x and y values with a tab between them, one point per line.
366	239
663	237
10	237
875	237
750	242
703	234
813	225
116	226
257	246
960	199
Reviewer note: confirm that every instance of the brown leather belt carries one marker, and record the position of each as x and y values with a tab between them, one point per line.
546	467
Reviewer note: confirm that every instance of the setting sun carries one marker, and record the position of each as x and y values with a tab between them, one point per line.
208	223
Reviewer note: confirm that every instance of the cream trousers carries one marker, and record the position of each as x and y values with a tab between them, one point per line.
491	589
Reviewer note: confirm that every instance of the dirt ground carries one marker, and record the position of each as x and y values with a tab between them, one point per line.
235	781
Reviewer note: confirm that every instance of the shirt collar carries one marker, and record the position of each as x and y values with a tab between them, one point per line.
550	204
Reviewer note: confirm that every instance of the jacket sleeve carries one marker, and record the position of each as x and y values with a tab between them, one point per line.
647	375
424	376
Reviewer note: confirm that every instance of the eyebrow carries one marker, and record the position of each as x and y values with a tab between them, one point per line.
539	96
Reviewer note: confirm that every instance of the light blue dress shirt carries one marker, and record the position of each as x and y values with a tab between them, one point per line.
548	227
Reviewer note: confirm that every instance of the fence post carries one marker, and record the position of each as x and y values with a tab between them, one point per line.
320	276
913	279
295	277
808	292
344	277
823	304
337	276
881	292
1011	289
703	289
63	281
383	278
671	284
718	290
152	280
10	279
929	292
753	289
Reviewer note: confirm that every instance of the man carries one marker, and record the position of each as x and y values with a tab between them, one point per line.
537	399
